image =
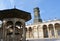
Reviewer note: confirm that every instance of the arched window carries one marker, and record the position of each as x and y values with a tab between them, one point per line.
45	32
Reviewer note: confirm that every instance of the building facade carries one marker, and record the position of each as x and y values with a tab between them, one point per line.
13	26
40	29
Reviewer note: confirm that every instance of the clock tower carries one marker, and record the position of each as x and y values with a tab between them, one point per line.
37	17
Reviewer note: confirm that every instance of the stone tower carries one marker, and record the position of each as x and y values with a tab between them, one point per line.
37	17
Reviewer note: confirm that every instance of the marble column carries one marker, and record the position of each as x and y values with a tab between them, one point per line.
48	32
54	31
4	24
14	30
24	33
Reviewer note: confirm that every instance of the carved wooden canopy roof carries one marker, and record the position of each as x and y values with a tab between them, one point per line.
15	13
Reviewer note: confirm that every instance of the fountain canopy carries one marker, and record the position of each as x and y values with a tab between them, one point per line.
15	13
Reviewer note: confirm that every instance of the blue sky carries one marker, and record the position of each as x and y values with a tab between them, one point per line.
49	9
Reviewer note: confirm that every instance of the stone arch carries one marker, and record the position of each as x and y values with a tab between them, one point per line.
8	29
45	32
18	28
18	24
57	29
50	26
9	24
30	32
51	30
57	25
27	32
30	29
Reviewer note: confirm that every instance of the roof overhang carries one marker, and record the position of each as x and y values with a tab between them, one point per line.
15	13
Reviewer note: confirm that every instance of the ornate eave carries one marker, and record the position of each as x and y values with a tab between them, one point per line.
15	13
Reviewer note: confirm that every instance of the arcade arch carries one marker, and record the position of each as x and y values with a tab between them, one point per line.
57	29
45	32
51	30
30	32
